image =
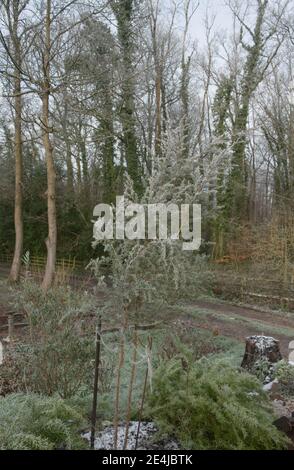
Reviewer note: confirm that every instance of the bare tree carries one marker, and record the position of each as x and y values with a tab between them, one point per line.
12	13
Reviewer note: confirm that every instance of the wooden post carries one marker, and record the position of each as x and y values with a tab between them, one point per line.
10	326
96	379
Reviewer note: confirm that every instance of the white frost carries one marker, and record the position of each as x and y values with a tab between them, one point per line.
104	439
269	386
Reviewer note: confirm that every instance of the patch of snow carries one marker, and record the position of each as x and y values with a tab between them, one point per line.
104	439
267	387
262	343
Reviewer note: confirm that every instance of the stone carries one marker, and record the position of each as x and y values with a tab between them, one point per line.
272	386
283	424
276	396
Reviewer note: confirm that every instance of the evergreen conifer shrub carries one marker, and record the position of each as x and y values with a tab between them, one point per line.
34	422
210	405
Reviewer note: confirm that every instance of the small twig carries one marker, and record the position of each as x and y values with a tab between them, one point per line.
96	380
132	380
149	326
10	327
121	361
143	397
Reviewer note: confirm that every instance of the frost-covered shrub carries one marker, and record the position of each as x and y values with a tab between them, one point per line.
13	369
33	422
61	364
193	343
151	271
56	307
57	357
264	370
210	405
148	269
285	374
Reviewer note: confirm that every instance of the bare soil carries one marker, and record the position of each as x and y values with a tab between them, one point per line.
235	327
268	317
238	331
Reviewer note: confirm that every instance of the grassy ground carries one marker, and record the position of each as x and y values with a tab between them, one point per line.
207	327
216	317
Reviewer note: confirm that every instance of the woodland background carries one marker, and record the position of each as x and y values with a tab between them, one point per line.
93	91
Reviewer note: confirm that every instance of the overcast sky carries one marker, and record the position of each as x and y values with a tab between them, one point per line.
223	20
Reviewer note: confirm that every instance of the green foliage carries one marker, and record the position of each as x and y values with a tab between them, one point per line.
221	106
33	422
124	13
59	306
192	342
285	374
210	405
58	358
12	370
263	369
74	229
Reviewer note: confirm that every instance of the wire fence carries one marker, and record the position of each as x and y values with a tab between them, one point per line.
39	262
68	270
261	289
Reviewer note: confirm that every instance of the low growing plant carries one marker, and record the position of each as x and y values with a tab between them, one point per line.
58	355
285	374
210	405
33	422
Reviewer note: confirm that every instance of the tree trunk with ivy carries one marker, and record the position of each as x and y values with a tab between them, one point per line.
237	190
124	12
221	109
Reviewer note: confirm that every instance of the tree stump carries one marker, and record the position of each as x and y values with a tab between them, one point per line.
261	347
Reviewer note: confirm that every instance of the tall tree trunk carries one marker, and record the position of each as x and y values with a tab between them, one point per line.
124	12
86	196
291	153
158	129
69	172
51	241
221	111
18	203
184	95
18	207
108	149
238	181
69	165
